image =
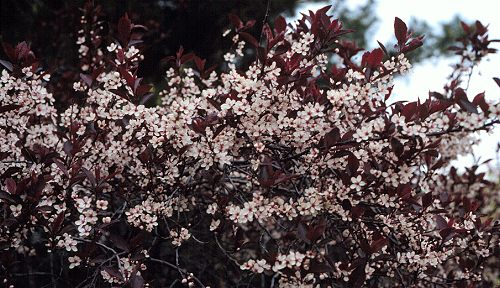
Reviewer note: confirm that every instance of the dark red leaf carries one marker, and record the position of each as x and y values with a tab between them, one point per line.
332	137
319	267
497	80
187	57
465	27
250	24
87	79
283	177
8	197
137	240
9	107
61	166
89	176
250	39
302	233
68	148
235	20
98	259
480	28
280	24
447	234
414	44
409	110
427	200
396	146
357	211
127	76
22	50
200	63
382	47
119	242
11	185
97	72
352	164
316	231
7	64
120	55
404	191
378	244
481	102
401	31
56	224
357	277
372	59
441	222
143	89
439	105
347	136
114	272
9	51
462	101
136	281
124	28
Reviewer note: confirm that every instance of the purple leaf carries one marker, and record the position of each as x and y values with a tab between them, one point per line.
7	64
114	272
382	47
250	39
56	225
316	231
497	80
401	31
9	107
441	223
235	20
87	79
280	24
89	176
61	166
136	281
11	185
124	28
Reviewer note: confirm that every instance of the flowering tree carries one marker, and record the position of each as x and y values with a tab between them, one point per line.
292	172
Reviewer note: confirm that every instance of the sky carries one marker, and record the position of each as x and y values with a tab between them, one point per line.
431	75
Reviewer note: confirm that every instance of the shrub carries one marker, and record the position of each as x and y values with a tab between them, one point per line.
296	171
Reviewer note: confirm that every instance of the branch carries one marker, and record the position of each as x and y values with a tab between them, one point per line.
176	267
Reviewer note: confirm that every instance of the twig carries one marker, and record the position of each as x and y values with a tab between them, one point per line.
115	254
470	76
224	250
180	270
264	21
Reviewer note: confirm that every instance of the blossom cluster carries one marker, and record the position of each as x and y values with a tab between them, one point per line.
305	174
